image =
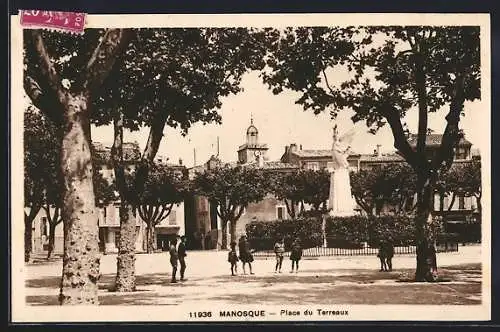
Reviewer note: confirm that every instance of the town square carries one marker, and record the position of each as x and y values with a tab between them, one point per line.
288	166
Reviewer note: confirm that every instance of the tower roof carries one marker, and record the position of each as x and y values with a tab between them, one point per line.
252	128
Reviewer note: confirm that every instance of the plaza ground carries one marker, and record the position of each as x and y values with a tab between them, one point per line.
327	280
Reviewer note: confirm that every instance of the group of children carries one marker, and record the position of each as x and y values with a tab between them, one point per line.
246	256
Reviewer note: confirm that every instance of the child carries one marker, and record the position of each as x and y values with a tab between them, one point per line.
295	255
245	253
279	250
232	258
174	257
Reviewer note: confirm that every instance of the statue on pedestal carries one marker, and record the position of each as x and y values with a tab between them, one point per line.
341	202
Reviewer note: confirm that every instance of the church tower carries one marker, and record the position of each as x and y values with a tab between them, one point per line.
252	151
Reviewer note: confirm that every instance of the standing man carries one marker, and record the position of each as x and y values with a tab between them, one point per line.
174	257
182	256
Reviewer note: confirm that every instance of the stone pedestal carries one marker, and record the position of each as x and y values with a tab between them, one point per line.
340	202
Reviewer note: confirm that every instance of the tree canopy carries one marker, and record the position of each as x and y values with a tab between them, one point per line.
232	189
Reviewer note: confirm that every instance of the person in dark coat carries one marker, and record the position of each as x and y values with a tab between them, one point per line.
382	255
295	255
245	253
181	251
174	257
389	253
232	257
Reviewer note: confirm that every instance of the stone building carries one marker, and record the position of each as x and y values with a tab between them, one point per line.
203	225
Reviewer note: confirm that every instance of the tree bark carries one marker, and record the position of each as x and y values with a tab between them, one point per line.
125	262
452	202
233	230
81	253
70	111
150	238
441	202
52	235
478	202
224	235
425	256
28	233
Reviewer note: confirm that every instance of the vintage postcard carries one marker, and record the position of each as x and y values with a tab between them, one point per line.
250	168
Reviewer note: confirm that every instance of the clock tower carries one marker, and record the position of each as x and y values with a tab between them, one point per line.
252	151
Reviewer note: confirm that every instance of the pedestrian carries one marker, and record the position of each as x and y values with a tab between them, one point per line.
382	255
295	255
182	256
246	256
174	257
389	252
232	258
279	250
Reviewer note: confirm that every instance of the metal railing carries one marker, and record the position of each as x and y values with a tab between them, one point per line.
367	251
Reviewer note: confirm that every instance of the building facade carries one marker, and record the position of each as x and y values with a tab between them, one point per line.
109	220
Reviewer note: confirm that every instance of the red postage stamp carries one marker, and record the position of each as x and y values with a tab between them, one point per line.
61	21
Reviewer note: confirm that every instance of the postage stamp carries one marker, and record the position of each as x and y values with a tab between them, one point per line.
55	20
245	168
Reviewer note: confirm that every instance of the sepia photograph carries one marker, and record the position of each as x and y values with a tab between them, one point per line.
250	167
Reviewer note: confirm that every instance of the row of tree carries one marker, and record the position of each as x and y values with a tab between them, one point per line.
230	188
394	186
137	78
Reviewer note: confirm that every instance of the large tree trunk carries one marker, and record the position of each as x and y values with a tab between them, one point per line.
425	256
224	243
52	236
125	263
80	272
478	202
233	230
28	233
150	238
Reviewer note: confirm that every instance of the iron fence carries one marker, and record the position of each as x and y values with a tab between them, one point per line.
366	251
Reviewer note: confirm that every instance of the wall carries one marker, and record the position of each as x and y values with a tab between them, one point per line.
265	210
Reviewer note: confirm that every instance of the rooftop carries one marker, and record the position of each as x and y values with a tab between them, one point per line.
381	158
317	153
434	140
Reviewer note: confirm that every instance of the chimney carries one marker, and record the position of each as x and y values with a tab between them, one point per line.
293	147
180	161
301	146
377	151
286	149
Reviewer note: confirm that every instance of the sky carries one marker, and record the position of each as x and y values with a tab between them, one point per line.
281	122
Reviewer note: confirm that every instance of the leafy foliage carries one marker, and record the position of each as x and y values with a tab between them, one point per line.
316	187
345	231
177	75
232	189
392	185
263	235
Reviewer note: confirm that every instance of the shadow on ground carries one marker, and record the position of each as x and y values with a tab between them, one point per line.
331	286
